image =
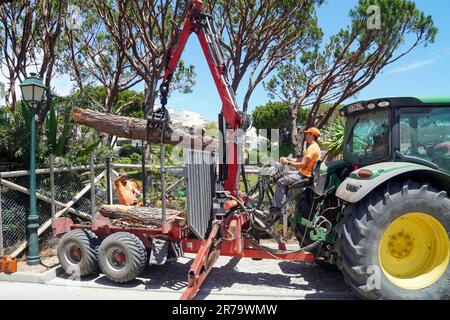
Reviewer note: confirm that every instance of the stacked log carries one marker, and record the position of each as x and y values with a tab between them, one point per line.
131	216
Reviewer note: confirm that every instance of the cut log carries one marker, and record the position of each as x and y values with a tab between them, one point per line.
134	128
139	215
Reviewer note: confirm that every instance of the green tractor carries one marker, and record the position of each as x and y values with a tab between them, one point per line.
382	215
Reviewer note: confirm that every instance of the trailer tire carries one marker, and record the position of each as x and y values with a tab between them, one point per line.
394	244
122	257
77	252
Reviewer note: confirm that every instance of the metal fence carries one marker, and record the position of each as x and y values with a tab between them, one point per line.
70	195
62	191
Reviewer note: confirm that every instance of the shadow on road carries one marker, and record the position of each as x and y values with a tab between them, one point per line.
283	277
308	281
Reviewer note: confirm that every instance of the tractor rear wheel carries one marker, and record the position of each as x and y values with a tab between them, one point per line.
394	244
122	257
77	252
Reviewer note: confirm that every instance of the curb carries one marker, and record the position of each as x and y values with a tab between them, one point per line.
30	277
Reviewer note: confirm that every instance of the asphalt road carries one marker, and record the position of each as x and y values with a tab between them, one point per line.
230	279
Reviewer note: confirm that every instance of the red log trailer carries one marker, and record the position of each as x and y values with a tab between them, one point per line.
219	219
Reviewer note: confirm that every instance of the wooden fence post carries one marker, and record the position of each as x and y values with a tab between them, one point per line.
109	196
93	207
52	186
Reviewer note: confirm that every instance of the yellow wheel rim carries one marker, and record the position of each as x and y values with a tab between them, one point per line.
414	251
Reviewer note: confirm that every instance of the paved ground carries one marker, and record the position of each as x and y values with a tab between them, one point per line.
231	278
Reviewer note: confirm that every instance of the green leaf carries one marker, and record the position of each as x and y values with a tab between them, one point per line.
333	138
52	124
59	152
26	115
88	149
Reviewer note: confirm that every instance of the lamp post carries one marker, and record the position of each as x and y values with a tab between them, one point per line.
32	93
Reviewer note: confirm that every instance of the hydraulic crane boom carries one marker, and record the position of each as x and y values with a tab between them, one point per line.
232	123
200	23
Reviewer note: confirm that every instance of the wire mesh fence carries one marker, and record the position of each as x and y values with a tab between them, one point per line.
72	197
71	189
15	207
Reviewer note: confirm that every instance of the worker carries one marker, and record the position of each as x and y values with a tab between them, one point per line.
128	191
304	165
379	146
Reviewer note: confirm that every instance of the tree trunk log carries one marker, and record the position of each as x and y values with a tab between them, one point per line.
134	128
139	215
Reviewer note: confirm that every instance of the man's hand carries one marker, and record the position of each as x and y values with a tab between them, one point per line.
288	161
297	164
284	161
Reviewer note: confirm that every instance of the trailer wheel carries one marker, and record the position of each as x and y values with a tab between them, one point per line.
77	252
122	257
394	244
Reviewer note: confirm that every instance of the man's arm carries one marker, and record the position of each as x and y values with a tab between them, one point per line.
300	164
285	160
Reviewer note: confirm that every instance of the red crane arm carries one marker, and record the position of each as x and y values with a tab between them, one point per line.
197	21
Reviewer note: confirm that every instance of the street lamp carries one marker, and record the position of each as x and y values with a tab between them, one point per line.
33	90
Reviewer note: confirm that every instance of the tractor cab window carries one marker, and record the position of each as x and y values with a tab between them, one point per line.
426	134
369	139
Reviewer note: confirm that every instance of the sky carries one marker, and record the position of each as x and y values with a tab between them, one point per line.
423	72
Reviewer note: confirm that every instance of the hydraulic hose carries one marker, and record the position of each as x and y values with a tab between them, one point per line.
308	248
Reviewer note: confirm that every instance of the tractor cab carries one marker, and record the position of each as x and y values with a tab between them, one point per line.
398	129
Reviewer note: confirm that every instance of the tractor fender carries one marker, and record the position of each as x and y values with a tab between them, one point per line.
354	188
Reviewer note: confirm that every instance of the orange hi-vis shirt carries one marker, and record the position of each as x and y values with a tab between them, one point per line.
125	193
312	152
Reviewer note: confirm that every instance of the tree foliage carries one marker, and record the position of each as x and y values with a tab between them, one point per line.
92	57
13	141
332	138
120	43
18	29
273	115
352	58
259	35
143	31
30	42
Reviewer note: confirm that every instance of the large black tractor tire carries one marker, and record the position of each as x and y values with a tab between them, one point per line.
77	252
394	244
122	257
